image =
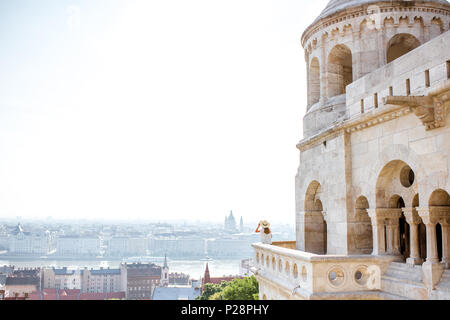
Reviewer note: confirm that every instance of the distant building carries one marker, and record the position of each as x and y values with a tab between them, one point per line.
123	246
61	278
22	282
22	242
241	225
216	280
142	279
179	279
78	246
103	280
179	247
230	223
176	293
7	270
165	274
245	268
52	294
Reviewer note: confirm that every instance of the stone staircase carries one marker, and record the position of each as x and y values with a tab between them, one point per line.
403	280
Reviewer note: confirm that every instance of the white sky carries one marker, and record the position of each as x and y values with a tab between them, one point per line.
146	109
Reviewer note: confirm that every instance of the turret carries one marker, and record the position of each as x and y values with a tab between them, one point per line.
351	38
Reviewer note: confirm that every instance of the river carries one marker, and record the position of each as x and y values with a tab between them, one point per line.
195	268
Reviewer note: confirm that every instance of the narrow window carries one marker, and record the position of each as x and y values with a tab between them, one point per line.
408	87
391	91
427	78
375	100
362	105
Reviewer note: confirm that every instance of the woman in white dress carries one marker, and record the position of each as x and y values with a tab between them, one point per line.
266	234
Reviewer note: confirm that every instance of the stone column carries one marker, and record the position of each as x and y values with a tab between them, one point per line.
432	269
393	230
395	236
356	53
389	237
378	234
413	220
323	71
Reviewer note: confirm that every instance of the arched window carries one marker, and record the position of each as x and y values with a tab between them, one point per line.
316	227
314	81
340	70
399	45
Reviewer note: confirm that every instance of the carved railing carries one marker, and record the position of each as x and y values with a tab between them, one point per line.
306	274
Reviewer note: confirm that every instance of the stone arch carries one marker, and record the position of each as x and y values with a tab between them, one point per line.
340	70
315	224
439	198
436	27
363	227
390	188
399	45
312	195
314	81
389	154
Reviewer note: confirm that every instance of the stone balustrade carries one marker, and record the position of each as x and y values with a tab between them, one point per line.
303	275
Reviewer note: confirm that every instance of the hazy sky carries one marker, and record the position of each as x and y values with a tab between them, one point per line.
151	109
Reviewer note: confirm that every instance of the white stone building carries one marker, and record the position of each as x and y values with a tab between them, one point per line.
372	201
21	242
76	246
127	246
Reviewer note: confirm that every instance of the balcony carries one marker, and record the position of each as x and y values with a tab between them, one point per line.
286	273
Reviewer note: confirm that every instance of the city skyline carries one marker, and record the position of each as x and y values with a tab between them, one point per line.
127	109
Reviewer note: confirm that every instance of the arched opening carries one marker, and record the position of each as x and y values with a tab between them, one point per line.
315	224
340	70
439	198
404	232
399	45
439	240
363	227
314	81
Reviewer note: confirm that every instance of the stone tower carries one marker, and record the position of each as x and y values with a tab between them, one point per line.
347	42
165	273
351	38
372	187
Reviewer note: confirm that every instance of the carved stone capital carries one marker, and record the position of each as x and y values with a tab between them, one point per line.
411	215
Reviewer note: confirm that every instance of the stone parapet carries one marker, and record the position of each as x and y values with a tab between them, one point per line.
305	275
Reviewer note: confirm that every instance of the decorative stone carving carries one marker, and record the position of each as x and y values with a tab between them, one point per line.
429	109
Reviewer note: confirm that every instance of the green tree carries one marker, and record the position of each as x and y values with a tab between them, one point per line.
238	289
210	289
241	289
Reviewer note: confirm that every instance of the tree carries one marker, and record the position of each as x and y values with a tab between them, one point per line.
241	289
238	289
210	289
